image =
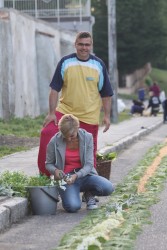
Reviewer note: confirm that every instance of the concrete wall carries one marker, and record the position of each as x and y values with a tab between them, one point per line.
29	52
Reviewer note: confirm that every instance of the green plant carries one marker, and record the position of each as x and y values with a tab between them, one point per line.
106	157
43	180
6	191
13	183
16	183
39	180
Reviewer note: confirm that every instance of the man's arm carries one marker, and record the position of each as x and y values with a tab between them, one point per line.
106	102
53	99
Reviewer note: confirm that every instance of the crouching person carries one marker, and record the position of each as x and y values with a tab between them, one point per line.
70	151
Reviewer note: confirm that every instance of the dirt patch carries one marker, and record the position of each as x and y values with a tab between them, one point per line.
14	141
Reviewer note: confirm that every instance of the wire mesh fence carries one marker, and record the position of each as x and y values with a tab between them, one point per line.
51	8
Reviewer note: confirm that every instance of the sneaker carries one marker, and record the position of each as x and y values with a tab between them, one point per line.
90	201
84	199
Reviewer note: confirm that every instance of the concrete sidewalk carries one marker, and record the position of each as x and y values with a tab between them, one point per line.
119	137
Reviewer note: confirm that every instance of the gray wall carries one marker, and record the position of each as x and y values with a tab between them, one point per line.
29	52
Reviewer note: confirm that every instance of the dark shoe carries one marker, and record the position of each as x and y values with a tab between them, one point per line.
90	201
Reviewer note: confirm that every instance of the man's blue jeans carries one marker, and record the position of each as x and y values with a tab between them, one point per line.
96	184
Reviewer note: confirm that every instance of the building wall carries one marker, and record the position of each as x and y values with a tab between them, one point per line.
29	52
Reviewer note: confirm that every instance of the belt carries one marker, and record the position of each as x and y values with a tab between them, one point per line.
74	171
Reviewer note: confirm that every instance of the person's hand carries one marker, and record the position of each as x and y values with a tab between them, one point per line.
49	118
71	180
59	174
106	122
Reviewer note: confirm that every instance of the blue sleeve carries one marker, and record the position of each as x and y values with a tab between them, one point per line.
57	80
106	89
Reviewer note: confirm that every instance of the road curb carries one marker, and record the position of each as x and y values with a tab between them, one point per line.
12	210
128	140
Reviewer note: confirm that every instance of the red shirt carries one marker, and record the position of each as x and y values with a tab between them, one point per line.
72	160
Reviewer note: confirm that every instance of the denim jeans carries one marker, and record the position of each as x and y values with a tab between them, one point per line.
96	184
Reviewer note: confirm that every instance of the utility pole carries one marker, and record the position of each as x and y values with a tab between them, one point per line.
112	55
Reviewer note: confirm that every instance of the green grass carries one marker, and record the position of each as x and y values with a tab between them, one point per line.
29	127
25	127
161	77
121	116
4	150
127	97
124	116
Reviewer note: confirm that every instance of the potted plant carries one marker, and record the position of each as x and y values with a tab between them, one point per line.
43	195
103	163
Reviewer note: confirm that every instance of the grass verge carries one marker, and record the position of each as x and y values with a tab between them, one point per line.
4	150
22	127
29	127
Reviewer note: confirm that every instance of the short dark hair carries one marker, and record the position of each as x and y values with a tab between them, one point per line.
83	34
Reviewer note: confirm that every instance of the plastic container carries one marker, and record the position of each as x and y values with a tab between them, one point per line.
43	200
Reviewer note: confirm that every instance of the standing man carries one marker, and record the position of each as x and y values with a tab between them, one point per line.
84	83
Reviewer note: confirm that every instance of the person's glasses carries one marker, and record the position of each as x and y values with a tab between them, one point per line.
84	44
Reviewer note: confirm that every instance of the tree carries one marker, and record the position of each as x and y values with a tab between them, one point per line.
100	29
141	33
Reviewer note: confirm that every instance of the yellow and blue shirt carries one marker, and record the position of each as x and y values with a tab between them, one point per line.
82	85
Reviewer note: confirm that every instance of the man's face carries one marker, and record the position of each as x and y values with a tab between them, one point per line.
83	47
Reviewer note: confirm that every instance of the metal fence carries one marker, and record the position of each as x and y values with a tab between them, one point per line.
51	8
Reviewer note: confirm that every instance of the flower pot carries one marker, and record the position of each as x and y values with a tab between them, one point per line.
43	199
104	168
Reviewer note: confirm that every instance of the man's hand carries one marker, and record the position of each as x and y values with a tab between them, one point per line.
106	123
49	118
106	101
53	98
